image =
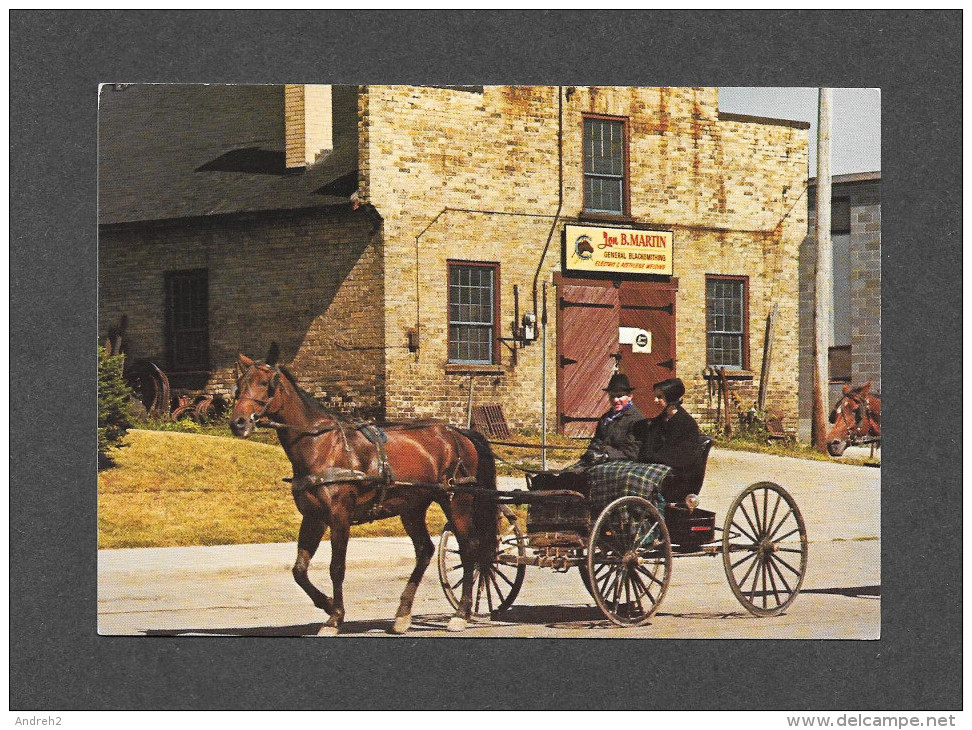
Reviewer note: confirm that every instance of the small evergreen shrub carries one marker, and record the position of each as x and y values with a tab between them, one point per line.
114	405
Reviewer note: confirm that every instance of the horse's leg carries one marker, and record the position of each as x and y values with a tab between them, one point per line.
309	539
340	533
468	548
414	524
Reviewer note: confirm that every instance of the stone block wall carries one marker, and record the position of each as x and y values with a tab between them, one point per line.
295	126
474	175
308	121
460	175
311	282
481	174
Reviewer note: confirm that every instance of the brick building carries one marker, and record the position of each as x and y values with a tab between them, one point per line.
855	337
398	242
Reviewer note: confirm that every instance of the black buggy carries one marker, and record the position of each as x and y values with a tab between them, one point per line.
623	547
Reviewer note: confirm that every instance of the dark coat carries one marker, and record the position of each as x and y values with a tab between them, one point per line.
616	438
674	442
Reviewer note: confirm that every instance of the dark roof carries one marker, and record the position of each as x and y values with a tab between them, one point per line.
186	150
854	177
731	117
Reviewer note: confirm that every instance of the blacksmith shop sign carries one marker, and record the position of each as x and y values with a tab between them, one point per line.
619	250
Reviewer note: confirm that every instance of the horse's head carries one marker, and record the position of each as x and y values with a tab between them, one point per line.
257	388
848	417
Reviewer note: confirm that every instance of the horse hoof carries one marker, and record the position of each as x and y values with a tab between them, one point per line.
326	630
402	624
457	624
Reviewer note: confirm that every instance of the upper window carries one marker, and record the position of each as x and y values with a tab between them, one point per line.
605	166
840	215
727	336
472	312
187	319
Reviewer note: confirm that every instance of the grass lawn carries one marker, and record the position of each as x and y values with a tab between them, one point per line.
203	487
170	488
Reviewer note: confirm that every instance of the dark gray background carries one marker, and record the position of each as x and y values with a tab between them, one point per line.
57	59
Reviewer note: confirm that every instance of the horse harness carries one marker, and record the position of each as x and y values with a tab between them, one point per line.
383	481
861	414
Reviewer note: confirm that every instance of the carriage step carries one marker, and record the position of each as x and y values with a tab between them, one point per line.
545	496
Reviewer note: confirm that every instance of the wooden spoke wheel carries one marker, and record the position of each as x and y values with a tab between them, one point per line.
497	591
585	578
764	549
629	558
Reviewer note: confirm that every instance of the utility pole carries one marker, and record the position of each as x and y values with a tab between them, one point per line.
824	287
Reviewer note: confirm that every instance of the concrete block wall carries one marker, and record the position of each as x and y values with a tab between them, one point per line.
866	288
474	176
311	282
865	307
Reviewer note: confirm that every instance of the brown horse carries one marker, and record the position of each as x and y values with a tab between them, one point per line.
856	419
347	473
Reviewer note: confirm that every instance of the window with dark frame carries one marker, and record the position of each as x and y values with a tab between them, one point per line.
472	312
187	320
840	215
605	166
725	322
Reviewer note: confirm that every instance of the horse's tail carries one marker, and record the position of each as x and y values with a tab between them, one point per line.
484	507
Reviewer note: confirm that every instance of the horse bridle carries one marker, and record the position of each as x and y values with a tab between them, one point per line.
261	419
271	392
861	413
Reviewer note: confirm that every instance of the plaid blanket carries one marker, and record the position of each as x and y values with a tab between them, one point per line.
607	482
622	478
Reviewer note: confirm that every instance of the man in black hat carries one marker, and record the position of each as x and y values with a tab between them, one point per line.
614	438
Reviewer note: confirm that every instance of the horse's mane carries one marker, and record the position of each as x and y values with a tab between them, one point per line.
306	398
859	388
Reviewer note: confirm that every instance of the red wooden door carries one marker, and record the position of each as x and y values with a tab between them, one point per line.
590	314
648	306
587	346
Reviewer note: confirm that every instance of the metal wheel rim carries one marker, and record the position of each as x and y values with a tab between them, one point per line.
499	590
585	577
764	549
628	578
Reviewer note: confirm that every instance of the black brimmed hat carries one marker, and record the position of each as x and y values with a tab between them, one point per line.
619	384
673	389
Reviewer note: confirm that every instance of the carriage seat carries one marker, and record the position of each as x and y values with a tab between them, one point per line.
688	528
678	485
558	515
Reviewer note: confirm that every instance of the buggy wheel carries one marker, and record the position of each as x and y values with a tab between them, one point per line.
585	578
629	559
764	549
497	591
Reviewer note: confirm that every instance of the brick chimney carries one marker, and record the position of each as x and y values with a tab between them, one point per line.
308	123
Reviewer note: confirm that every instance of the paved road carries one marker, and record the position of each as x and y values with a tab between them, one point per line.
248	590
